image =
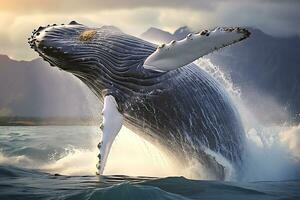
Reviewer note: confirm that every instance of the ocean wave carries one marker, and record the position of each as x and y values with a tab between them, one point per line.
20	183
275	156
9	171
126	191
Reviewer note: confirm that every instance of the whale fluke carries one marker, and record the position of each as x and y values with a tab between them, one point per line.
180	53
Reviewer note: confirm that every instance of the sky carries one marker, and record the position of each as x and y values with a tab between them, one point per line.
19	17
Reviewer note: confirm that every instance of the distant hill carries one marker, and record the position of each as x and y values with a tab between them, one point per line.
156	35
160	36
34	89
181	32
265	68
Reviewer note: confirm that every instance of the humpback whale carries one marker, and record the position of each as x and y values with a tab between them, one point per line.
156	91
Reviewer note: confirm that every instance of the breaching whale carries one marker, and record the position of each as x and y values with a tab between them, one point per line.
156	91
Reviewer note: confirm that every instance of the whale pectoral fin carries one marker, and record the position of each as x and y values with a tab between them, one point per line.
111	125
180	53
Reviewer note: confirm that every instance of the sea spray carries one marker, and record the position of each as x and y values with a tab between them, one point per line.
272	151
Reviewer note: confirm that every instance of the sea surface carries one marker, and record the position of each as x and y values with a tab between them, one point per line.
33	165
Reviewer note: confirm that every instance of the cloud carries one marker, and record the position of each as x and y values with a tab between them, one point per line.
20	17
273	17
82	6
18	28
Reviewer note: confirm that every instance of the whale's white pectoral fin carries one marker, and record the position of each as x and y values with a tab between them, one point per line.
180	53
111	125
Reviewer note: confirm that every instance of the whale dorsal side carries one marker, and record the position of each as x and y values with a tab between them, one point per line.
180	53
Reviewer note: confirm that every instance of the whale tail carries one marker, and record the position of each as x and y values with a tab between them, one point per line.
180	53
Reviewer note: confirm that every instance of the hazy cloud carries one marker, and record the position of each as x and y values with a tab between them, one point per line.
55	6
19	18
29	6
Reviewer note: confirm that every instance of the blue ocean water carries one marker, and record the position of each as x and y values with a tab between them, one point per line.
20	183
26	151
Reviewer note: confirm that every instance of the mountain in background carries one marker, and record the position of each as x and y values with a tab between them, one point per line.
265	68
181	32
156	35
160	36
34	89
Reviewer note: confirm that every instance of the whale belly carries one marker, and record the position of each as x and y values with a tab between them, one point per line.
186	114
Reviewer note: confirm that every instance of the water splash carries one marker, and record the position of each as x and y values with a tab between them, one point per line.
272	152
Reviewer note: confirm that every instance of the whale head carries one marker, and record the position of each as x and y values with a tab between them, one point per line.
103	55
64	46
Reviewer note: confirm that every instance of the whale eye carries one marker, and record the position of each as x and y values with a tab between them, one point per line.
87	35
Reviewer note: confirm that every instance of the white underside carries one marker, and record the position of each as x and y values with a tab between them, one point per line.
112	123
180	53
